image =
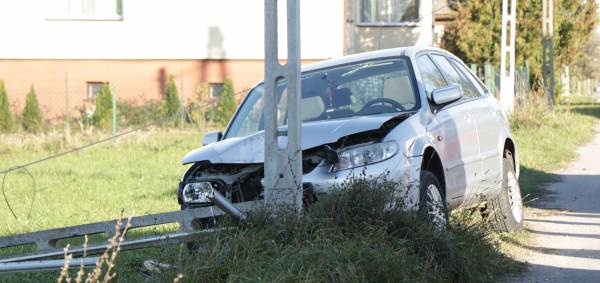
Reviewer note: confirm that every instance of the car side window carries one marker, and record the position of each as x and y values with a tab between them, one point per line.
432	78
474	82
454	77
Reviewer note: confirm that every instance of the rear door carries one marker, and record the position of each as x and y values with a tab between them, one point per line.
454	128
460	153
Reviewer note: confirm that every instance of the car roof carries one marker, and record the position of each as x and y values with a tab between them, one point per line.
408	51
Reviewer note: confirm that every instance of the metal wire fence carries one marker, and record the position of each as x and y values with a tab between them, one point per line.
67	97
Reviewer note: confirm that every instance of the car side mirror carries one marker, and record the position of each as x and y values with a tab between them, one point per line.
211	137
446	95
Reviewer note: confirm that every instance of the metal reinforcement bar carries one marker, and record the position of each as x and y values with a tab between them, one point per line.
88	262
46	240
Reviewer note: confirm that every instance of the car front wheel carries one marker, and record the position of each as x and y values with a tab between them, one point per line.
432	203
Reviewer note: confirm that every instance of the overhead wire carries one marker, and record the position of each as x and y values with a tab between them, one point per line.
6	197
5	172
199	107
121	134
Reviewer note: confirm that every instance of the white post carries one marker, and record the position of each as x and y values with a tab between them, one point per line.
547	42
565	81
433	37
587	86
507	77
283	166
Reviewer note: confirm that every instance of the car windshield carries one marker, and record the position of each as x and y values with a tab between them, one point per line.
357	89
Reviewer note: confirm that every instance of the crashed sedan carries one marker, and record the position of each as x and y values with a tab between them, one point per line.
416	115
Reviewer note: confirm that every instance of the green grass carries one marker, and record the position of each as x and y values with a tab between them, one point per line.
140	173
546	140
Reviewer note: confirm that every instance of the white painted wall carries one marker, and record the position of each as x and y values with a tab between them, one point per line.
366	38
153	29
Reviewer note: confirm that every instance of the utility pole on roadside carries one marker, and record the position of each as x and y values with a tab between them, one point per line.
547	42
283	166
507	73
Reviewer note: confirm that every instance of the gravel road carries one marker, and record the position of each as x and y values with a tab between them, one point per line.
565	225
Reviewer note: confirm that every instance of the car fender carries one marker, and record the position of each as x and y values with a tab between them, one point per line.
505	135
411	134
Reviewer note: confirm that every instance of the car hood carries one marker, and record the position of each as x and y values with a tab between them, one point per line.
250	148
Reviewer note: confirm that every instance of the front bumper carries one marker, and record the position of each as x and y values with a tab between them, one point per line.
401	170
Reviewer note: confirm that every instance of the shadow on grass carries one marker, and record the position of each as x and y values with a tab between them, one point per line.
592	110
532	182
584	105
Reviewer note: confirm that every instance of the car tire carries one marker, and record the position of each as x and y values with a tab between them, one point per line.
432	201
505	209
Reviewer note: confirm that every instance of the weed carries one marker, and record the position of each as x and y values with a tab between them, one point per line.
353	234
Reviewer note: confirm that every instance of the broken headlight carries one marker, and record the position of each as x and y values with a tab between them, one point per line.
196	192
366	154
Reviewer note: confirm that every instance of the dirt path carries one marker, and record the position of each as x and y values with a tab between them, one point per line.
565	225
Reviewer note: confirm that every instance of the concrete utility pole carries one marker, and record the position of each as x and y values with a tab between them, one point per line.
547	42
507	76
283	166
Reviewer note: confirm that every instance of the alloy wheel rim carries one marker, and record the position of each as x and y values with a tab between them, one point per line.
435	212
514	196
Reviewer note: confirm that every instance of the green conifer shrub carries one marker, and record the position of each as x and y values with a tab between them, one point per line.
32	114
171	102
7	121
225	108
103	106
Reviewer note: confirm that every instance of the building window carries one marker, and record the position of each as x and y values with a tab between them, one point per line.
93	89
388	12
216	90
86	10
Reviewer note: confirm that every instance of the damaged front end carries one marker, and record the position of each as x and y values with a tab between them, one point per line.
241	182
239	177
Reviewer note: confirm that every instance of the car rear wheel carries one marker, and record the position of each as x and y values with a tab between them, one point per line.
505	209
432	203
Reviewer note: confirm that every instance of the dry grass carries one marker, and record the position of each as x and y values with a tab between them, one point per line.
546	139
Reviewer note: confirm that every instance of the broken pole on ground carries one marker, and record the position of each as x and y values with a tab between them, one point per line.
283	149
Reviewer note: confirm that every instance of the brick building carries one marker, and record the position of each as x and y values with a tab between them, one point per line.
75	46
136	44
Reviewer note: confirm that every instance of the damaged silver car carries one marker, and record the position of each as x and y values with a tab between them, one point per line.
416	115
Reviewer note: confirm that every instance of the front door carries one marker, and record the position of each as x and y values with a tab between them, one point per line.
489	122
453	130
458	146
460	141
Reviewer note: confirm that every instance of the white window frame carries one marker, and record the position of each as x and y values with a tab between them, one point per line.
212	86
389	18
90	96
85	17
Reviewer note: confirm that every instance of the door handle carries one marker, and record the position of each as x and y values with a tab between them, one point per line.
492	110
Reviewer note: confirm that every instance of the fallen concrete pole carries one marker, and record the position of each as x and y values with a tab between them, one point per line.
88	262
46	240
220	201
